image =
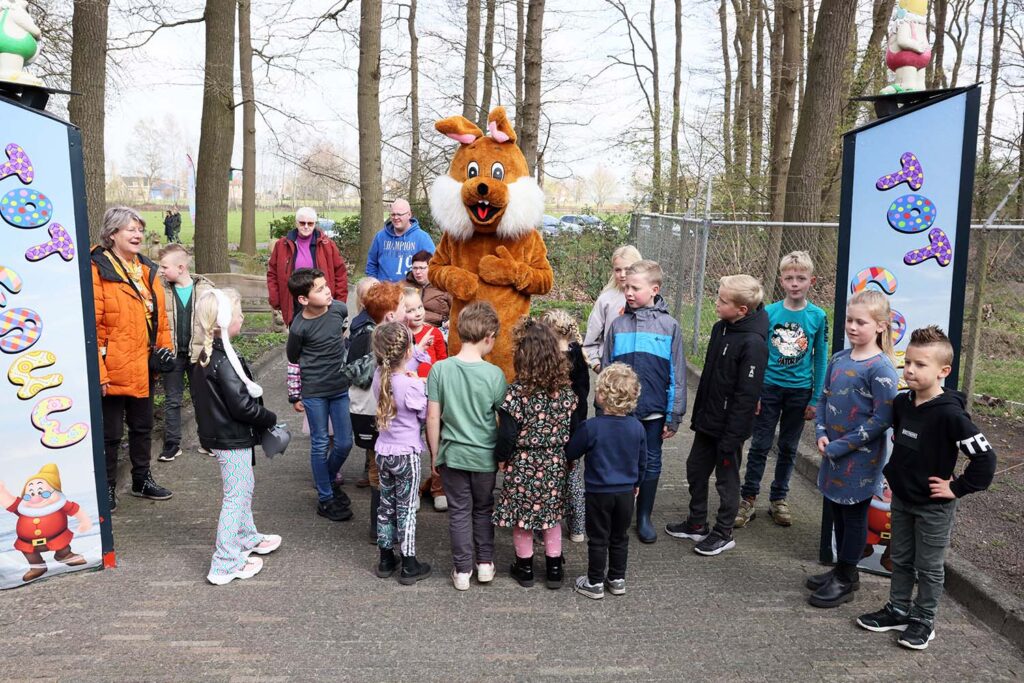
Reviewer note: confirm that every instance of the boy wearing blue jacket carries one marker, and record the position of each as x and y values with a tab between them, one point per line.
616	449
647	339
390	256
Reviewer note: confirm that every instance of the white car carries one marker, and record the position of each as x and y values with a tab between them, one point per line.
577	222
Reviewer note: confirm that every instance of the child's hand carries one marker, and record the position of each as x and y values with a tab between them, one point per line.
822	443
810	412
426	342
940	488
757	410
299	408
667	433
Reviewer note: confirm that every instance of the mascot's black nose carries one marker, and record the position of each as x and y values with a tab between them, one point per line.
481	189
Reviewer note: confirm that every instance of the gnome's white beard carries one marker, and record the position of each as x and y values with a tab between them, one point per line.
525	210
25	509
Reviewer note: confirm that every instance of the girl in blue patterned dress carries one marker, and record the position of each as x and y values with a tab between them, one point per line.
533	429
854	413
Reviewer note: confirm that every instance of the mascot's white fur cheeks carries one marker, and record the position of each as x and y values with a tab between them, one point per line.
524	213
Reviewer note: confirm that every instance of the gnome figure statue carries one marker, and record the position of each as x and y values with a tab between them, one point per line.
908	51
19	42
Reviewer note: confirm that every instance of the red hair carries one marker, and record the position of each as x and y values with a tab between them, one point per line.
381	299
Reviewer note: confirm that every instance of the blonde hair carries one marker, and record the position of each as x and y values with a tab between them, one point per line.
797	260
649	269
564	324
205	316
173	248
390	343
627	253
619	389
362	287
877	305
744	290
412	291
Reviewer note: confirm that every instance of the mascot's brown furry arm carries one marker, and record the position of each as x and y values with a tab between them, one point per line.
489	207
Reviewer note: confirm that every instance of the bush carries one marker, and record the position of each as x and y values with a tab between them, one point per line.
346	236
279	227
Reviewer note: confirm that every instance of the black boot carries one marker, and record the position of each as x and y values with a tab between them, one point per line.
838	589
644	507
554	577
388	563
374	505
522	571
816	581
413	571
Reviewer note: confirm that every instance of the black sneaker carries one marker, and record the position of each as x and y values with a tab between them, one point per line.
112	497
917	636
714	544
885	619
413	571
169	454
334	511
688	530
147	488
340	495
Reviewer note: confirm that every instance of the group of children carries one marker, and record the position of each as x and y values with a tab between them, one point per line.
765	367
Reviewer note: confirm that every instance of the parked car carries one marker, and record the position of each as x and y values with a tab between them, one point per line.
550	226
327	227
577	222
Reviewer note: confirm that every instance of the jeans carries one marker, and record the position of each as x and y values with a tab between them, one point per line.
851	528
653	429
704	459
138	413
326	465
784	407
174	389
920	536
236	530
608	518
470	506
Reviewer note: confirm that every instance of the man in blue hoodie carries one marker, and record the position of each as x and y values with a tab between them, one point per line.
391	253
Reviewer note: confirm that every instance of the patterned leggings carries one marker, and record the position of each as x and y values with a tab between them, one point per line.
399	498
236	530
575	503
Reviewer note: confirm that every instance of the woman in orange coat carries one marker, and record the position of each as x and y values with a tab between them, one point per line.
128	302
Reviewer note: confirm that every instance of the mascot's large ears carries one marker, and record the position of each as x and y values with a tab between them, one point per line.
459	128
498	126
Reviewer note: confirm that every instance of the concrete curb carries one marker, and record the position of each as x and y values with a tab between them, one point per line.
999	609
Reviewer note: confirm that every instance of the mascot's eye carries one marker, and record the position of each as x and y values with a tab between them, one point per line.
498	171
473	170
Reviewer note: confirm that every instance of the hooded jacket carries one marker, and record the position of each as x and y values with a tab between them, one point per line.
730	383
390	255
649	340
928	439
361	399
437	305
282	264
227	417
200	285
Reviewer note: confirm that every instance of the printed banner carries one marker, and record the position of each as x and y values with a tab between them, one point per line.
903	229
54	516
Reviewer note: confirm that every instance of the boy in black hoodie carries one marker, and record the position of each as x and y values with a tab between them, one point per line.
723	412
929	427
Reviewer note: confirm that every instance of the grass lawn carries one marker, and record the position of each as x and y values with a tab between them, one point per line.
155	222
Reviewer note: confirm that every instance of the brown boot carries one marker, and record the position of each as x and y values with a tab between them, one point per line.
37	566
68	557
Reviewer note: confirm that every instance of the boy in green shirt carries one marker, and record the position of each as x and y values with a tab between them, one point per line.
463	393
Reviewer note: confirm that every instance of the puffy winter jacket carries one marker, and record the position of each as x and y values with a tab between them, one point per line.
282	264
200	285
122	330
227	416
730	383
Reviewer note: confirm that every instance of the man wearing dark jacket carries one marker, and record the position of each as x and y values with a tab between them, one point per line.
723	411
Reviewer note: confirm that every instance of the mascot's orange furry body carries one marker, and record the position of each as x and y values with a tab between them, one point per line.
489	207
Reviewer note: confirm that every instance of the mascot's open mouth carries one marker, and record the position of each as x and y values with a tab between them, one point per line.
483	211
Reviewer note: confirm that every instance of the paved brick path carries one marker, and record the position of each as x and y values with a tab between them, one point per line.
316	612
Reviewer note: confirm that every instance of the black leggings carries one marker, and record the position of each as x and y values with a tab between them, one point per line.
851	526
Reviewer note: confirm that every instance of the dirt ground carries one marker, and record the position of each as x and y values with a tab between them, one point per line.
990	525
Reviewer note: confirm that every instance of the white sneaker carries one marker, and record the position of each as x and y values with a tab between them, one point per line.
252	567
440	503
485	572
269	544
204	451
577	538
461	580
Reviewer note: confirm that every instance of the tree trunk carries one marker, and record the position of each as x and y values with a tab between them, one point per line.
520	59
371	193
485	100
216	139
981	39
757	108
247	241
529	133
986	174
657	186
471	68
723	24
414	104
89	77
744	93
938	74
673	172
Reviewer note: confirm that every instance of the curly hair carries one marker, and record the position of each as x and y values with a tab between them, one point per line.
539	364
618	389
564	324
390	343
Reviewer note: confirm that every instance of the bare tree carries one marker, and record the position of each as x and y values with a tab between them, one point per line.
936	73
601	186
485	100
371	191
216	139
247	240
414	104
471	68
529	133
89	77
520	66
148	153
723	24
673	172
958	32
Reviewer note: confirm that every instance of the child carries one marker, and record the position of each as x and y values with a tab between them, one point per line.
401	410
533	428
797	355
609	305
181	291
616	449
229	414
854	412
464	392
362	405
723	411
648	339
437	305
315	342
568	334
929	425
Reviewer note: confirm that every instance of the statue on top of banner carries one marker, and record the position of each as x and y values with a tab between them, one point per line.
19	42
908	51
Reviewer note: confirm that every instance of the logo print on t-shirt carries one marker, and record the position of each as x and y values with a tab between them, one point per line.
790	340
